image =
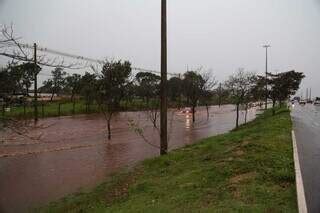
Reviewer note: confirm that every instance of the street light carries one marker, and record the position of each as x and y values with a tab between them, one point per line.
266	47
163	87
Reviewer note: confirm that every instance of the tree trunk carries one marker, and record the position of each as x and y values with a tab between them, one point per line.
109	129
237	119
24	109
193	114
281	103
126	104
154	119
52	94
72	97
245	118
59	109
74	107
147	98
273	107
42	110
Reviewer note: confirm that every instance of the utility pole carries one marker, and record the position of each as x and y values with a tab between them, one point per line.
310	94
219	95
163	89
35	76
266	47
180	93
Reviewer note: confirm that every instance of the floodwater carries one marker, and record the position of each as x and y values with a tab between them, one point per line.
65	155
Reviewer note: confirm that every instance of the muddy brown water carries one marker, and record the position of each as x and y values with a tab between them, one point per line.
70	154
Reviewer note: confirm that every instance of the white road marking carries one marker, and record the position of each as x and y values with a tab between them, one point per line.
302	205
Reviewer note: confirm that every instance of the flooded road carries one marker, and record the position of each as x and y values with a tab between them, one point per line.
64	155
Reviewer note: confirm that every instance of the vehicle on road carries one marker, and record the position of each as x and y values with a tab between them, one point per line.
302	102
186	110
317	102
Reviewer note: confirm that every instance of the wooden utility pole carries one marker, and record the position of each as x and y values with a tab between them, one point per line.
163	89
266	47
35	76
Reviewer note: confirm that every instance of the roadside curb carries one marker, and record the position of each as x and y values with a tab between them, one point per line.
302	206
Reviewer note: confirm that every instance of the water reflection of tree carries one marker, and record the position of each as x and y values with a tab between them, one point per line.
22	129
151	115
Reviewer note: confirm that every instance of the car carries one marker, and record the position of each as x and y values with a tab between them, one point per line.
186	110
302	102
316	102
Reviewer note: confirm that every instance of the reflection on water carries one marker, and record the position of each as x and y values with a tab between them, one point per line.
73	153
188	121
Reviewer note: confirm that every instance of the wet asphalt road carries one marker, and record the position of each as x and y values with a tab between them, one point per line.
306	121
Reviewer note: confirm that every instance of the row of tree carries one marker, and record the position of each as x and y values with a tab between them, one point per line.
17	78
116	83
247	87
189	89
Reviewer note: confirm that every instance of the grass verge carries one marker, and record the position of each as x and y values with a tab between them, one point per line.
67	108
248	170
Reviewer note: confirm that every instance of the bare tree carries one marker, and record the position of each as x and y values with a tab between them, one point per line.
240	86
207	89
11	47
153	116
153	112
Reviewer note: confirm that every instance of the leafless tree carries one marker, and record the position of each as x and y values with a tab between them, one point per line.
207	89
10	47
152	115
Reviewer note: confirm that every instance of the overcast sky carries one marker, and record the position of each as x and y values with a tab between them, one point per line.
219	35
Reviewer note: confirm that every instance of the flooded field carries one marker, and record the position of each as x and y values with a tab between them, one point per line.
64	155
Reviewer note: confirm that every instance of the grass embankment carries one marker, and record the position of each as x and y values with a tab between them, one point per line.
248	170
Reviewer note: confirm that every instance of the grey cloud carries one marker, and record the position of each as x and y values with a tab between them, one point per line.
222	35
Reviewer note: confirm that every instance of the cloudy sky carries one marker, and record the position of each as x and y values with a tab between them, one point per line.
218	35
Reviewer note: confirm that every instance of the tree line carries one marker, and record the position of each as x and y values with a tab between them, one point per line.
116	84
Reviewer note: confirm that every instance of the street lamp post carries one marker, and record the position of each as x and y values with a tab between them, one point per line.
163	89
266	89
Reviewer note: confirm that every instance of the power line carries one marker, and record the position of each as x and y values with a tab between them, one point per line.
83	58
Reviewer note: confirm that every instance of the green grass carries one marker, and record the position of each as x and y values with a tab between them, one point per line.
51	109
248	170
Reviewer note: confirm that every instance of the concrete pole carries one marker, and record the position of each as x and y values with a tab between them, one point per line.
266	89
163	89
220	87
35	75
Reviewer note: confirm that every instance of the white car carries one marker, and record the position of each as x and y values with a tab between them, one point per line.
317	102
186	110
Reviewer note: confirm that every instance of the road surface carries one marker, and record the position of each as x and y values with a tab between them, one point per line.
306	122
